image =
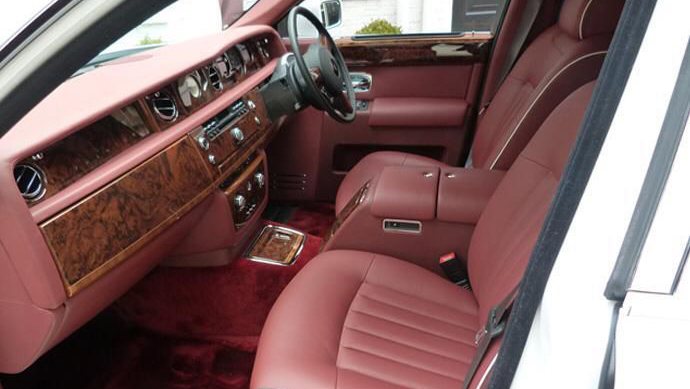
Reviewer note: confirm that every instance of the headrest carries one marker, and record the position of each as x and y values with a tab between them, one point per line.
582	19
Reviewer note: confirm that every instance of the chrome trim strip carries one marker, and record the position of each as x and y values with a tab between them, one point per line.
273	261
402	231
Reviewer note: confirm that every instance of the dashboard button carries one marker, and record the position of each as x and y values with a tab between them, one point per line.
240	202
259	179
237	135
203	142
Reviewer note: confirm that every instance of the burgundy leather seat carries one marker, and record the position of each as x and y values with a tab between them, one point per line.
561	59
362	320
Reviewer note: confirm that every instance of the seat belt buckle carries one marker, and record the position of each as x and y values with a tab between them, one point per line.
454	270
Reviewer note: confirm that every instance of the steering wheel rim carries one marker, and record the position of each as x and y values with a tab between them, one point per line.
339	104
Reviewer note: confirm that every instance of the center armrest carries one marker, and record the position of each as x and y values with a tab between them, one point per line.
405	192
463	193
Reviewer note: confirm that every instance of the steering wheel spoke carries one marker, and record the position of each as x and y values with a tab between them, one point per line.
327	83
341	102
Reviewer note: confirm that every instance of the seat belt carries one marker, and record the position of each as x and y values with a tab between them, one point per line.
529	16
493	328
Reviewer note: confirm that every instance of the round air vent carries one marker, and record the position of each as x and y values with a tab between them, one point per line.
164	106
214	78
29	180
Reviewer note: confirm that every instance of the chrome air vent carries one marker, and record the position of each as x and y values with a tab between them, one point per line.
30	181
164	106
262	45
214	78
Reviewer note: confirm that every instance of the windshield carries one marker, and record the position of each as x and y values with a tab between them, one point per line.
182	21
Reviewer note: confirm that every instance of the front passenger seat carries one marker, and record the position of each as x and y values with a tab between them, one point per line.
353	319
560	60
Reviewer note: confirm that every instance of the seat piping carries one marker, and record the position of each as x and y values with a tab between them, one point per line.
524	116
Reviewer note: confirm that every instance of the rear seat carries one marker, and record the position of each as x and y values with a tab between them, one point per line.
361	320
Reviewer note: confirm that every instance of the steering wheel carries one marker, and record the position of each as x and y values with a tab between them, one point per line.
322	71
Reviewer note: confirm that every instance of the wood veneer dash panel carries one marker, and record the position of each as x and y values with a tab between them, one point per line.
105	228
394	52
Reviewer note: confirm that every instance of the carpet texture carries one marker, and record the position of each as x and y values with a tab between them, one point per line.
148	360
200	326
179	328
314	219
228	304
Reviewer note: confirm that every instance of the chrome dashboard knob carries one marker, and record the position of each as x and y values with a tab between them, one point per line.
251	104
259	179
240	202
203	143
212	159
237	135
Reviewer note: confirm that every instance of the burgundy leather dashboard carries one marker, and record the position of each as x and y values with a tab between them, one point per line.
122	185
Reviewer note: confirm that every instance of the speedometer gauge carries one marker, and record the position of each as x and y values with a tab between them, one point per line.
189	89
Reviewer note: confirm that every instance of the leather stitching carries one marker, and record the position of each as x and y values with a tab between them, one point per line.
407	345
424	315
347	313
400	362
460	341
413	296
534	102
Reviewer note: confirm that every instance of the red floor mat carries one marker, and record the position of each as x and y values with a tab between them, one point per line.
209	321
314	219
151	361
228	303
183	328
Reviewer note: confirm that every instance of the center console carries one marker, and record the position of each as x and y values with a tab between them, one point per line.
231	144
415	213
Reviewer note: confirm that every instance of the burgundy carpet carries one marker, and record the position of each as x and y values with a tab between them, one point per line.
179	328
206	322
148	360
314	219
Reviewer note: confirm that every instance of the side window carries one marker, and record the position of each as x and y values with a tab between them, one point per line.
401	17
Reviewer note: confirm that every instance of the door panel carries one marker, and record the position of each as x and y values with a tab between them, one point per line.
422	92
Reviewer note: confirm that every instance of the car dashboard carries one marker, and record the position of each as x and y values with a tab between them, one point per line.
114	168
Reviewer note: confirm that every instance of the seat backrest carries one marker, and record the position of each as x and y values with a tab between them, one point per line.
510	224
561	59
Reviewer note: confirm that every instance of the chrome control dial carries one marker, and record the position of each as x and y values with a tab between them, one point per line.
212	159
251	104
240	202
203	142
237	135
259	179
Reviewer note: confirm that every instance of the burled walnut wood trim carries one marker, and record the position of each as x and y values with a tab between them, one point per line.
466	49
102	230
400	41
122	217
345	213
266	248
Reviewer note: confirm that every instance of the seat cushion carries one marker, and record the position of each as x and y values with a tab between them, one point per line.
352	319
370	166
